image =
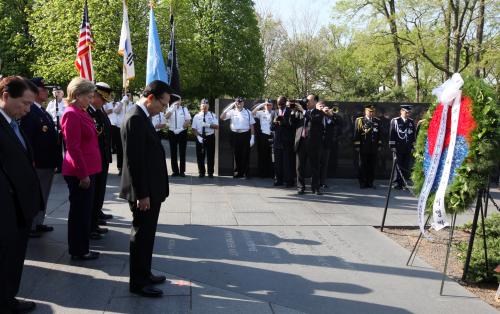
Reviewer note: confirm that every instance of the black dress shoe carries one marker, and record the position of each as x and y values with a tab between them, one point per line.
182	174
21	306
210	176
94	235
35	234
101	230
105	216
201	175
102	222
278	183
86	257
44	228
175	174
157	279
147	291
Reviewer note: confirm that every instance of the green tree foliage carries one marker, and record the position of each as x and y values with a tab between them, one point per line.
16	53
218	43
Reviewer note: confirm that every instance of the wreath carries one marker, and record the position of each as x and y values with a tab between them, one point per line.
477	147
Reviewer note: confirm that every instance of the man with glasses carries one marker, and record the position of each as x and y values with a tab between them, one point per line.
144	184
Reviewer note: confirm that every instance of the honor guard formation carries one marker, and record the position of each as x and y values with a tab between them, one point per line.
77	136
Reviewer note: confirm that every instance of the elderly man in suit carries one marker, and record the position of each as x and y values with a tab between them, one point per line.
144	184
20	192
42	135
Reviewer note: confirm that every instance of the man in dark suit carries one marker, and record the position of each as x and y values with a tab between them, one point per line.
144	184
308	144
283	137
19	190
103	127
42	135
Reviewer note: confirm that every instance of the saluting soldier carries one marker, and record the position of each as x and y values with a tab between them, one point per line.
103	128
284	133
367	142
401	141
242	135
265	113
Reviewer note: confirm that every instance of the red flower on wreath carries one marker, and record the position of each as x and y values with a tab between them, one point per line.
466	124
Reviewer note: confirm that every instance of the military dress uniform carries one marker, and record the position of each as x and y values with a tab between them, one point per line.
401	141
283	141
41	132
104	137
367	141
177	138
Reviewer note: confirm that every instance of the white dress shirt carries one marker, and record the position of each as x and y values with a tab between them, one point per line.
179	115
210	118
265	118
240	120
51	109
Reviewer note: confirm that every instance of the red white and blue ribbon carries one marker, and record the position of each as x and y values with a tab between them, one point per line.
449	94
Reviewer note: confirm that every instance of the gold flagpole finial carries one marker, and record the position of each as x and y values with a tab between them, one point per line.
152	4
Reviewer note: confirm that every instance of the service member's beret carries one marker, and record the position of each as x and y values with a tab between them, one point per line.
239	99
56	88
204	101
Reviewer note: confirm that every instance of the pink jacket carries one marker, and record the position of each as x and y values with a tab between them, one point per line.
82	157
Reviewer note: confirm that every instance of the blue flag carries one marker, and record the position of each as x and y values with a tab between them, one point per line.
155	69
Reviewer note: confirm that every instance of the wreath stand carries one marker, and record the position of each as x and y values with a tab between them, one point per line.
481	207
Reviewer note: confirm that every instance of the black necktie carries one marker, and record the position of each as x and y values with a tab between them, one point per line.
203	128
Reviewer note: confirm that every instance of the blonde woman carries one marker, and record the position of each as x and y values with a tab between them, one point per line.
81	163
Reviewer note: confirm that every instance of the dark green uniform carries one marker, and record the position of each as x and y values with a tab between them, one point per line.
367	142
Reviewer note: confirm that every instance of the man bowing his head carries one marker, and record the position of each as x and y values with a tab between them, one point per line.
144	183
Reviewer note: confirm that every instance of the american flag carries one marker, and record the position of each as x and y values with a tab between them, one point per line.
83	56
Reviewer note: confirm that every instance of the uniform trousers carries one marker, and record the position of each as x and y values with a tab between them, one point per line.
368	162
178	141
142	240
403	160
241	150
46	177
207	149
264	161
116	140
283	165
99	194
308	155
80	212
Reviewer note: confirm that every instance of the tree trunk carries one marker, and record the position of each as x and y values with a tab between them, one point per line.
447	22
417	82
390	15
479	38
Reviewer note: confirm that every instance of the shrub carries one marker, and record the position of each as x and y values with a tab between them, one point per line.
477	271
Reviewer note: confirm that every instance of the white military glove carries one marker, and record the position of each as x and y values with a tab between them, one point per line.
124	99
252	140
200	139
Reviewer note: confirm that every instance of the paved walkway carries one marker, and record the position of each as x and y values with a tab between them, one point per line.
240	246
